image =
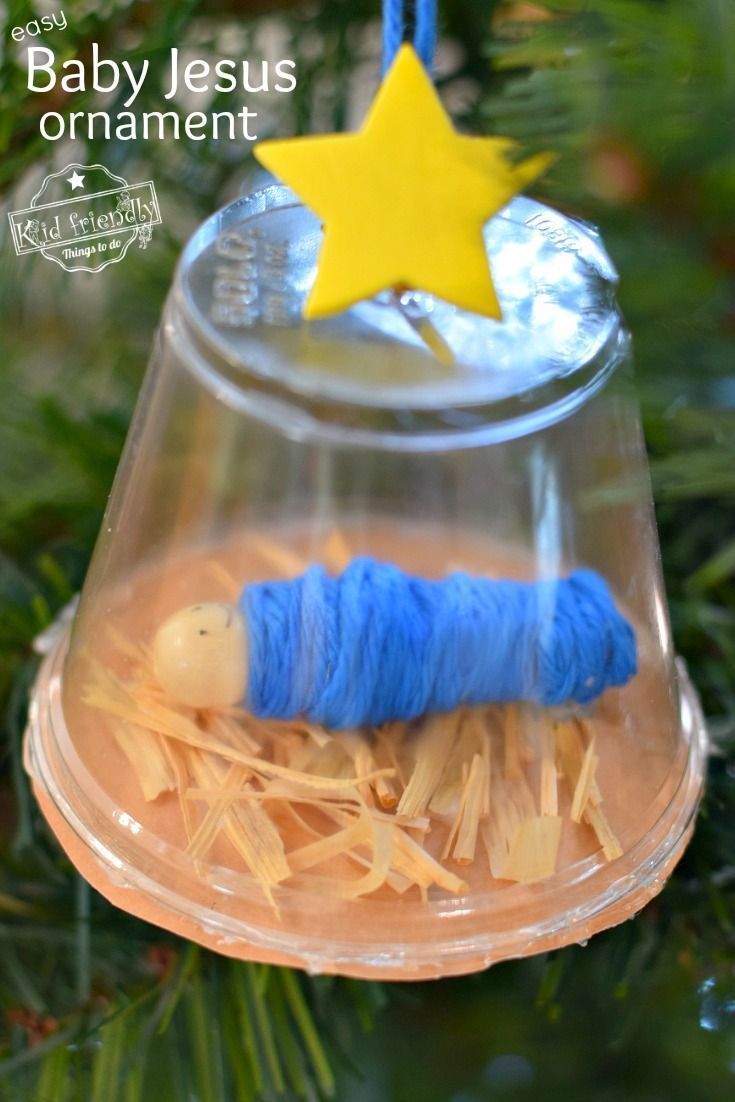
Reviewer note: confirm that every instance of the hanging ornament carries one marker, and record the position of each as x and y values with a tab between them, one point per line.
372	671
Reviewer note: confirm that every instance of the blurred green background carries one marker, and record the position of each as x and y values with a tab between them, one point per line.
638	97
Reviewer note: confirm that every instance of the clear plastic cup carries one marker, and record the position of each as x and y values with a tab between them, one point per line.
424	437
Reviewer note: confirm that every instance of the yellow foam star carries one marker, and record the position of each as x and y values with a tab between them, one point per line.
404	200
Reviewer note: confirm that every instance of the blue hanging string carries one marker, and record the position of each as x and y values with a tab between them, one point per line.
376	644
394	30
424	38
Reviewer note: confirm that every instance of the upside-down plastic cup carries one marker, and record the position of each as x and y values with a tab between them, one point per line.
420	436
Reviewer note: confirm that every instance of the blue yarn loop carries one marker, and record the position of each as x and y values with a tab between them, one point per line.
376	644
394	30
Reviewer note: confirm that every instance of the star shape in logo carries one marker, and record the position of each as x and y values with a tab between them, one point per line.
403	202
75	180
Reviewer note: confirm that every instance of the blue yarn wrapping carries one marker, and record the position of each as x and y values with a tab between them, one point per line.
376	644
394	30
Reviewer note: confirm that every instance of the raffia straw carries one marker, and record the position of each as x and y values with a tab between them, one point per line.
432	751
412	859
176	755
382	842
533	849
180	727
513	765
387	738
462	838
233	781
499	828
333	845
584	783
149	750
588	735
247	826
486	751
549	794
571	750
382	788
357	801
397	881
448	793
362	831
